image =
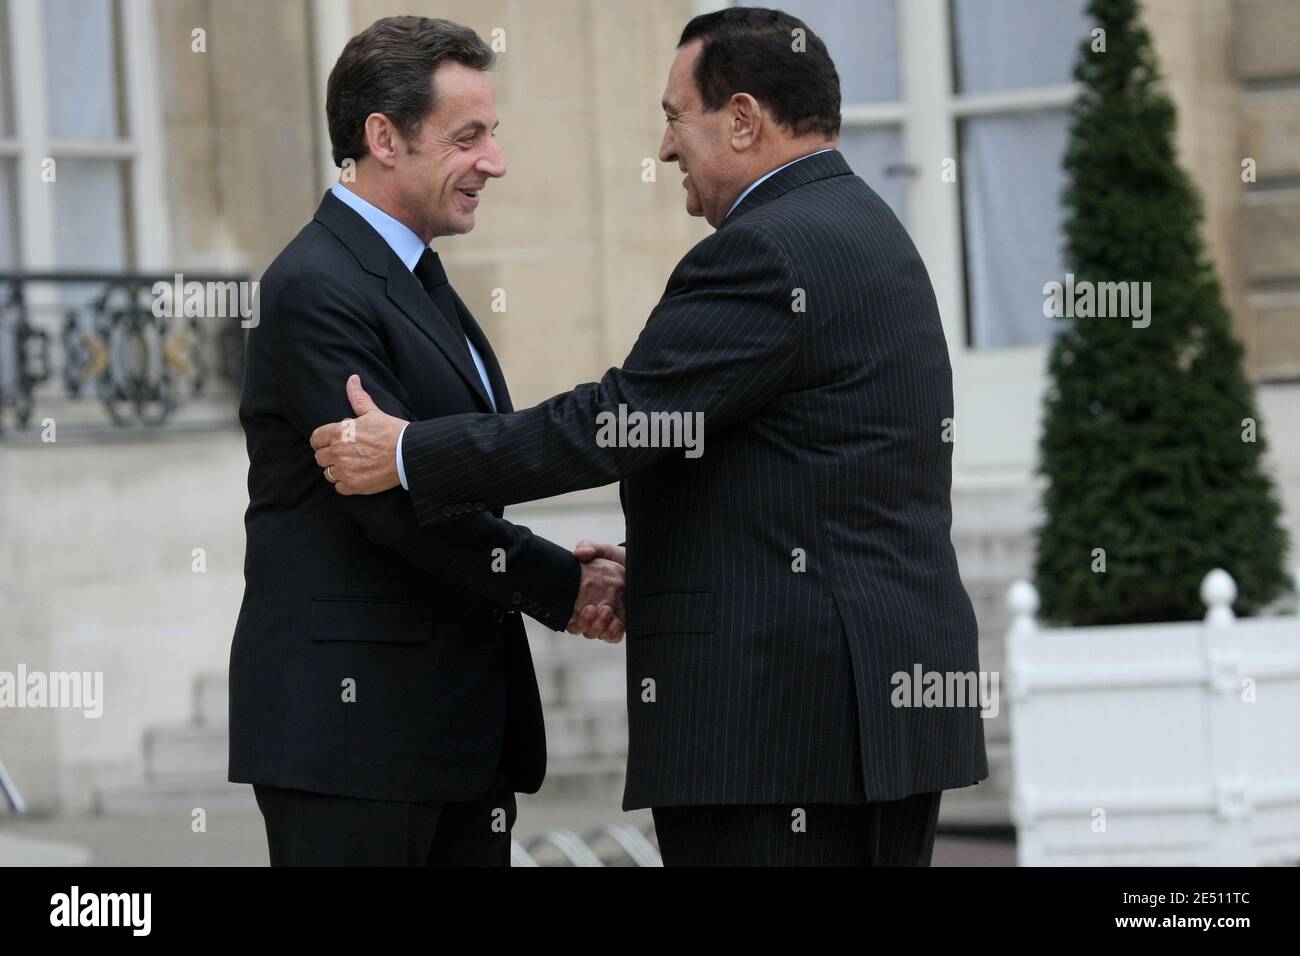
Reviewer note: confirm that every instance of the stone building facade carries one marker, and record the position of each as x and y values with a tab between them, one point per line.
222	157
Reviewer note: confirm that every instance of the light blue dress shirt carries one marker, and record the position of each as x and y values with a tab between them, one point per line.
758	182
408	247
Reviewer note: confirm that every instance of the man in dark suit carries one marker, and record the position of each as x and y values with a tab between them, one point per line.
786	582
382	697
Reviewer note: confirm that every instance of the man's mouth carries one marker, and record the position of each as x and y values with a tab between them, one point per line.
471	193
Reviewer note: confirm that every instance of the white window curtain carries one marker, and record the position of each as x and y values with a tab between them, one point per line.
81	74
1016	44
862	38
1011	186
83	89
1011	174
90	223
863	41
876	154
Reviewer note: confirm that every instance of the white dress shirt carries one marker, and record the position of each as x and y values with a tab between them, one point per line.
766	176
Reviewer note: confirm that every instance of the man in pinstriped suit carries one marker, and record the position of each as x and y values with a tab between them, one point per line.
780	584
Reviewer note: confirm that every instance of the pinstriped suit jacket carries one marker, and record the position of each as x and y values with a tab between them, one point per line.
778	583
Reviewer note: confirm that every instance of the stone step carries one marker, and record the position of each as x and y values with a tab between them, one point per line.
175	796
584	778
562	678
211	700
996	510
187	749
593	731
586	725
990	605
590	730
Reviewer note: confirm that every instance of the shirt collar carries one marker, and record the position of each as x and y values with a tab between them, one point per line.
762	179
405	243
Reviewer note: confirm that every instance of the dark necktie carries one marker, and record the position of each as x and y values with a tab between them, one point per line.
433	277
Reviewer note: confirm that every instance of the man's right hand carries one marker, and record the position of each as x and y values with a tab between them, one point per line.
599	611
586	550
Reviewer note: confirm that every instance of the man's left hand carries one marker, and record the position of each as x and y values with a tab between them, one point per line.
359	455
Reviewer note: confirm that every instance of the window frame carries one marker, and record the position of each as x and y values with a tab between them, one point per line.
138	147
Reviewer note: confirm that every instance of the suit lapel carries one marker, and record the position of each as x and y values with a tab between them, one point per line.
495	376
403	288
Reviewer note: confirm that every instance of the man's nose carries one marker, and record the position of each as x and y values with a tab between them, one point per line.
493	162
667	148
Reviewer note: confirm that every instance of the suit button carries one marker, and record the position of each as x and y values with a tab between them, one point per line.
545	615
498	615
516	598
446	512
479	506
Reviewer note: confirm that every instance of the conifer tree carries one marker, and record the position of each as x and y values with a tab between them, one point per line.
1151	443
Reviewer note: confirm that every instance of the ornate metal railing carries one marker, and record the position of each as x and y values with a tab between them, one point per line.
106	352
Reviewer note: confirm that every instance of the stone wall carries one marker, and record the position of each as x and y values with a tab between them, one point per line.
1267	65
97	538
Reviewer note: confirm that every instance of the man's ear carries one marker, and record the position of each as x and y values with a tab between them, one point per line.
744	121
382	138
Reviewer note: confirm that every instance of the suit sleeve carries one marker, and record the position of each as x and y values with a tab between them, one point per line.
721	344
321	333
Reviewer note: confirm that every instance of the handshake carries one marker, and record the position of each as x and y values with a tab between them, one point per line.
599	612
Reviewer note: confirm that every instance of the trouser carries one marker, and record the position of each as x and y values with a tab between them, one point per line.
317	829
891	833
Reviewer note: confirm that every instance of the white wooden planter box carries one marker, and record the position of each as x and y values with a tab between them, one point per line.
1159	744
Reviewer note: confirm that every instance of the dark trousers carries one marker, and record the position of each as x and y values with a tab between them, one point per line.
317	829
893	833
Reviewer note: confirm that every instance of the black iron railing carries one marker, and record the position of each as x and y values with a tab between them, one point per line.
114	351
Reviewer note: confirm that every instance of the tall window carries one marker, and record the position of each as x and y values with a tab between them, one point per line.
8	152
78	87
87	124
1013	61
863	39
80	192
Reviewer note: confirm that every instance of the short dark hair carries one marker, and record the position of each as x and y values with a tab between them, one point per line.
388	68
751	50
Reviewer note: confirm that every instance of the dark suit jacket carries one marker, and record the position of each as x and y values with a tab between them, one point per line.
342	589
824	438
